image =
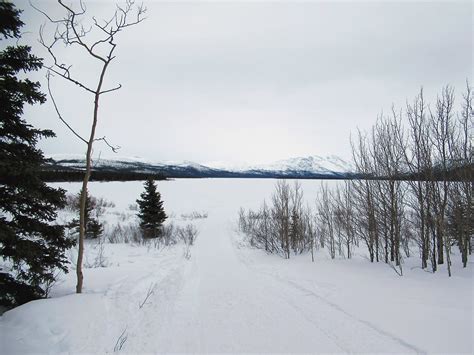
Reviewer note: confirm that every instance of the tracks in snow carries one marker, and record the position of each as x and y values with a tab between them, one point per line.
138	325
349	332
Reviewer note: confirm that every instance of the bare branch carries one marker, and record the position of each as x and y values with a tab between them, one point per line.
48	75
113	89
61	70
103	139
67	77
45	14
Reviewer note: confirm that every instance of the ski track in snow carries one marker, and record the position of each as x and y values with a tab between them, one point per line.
356	324
345	344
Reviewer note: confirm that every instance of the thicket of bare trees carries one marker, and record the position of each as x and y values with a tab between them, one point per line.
284	226
415	193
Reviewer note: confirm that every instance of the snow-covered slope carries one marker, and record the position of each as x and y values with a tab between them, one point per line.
136	165
77	161
311	166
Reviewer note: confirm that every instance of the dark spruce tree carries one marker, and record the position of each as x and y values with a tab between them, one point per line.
94	228
150	211
31	245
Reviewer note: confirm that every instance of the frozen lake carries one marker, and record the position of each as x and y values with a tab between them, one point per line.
187	195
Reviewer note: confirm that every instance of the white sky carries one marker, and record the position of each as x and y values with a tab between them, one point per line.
253	82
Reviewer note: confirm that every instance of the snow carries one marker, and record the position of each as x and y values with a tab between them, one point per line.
117	161
230	298
312	164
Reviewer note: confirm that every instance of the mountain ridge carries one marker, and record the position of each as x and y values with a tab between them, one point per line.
300	167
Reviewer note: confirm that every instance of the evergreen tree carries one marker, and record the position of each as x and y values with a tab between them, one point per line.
31	246
94	228
151	212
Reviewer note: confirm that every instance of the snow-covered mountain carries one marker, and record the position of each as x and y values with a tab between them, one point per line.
311	164
300	167
118	162
315	164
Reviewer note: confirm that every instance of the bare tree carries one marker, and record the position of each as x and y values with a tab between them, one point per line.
309	222
297	225
326	220
344	216
281	214
364	196
418	160
337	208
460	206
442	135
388	157
99	43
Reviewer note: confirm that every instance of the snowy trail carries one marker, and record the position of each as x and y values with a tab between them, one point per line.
227	306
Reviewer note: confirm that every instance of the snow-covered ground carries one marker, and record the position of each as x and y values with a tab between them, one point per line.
230	298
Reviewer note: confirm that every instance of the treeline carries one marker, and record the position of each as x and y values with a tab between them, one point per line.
429	214
53	175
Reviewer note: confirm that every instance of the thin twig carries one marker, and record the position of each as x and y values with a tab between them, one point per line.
103	139
121	340
110	90
149	293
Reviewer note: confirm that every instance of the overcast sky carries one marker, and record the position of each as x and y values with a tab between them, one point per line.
253	82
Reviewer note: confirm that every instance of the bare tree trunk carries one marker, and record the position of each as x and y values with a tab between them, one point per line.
85	181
